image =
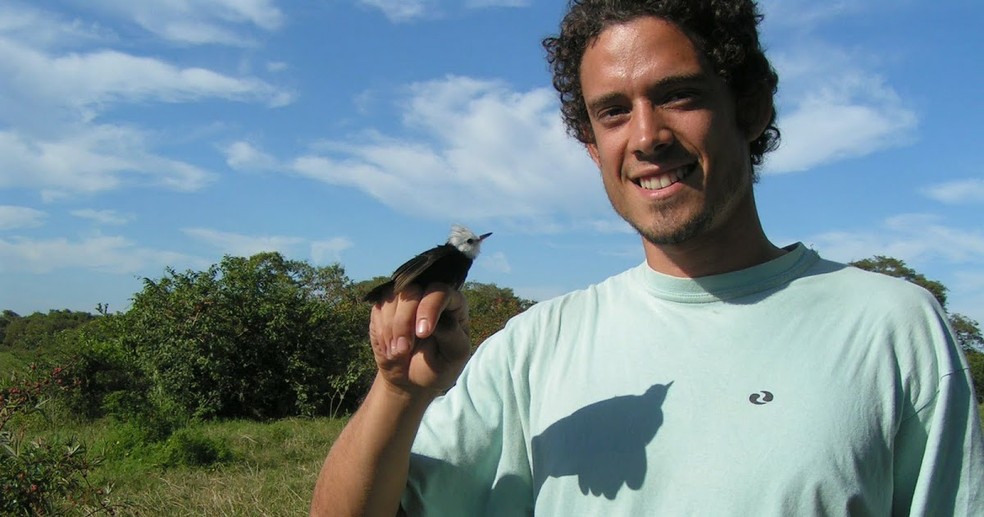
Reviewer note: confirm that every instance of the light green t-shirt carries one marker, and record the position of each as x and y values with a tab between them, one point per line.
796	387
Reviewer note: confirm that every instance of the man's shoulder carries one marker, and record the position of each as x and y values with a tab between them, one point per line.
573	305
590	294
869	288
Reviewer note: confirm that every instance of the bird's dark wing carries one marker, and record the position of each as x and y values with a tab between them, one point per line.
444	264
409	271
413	268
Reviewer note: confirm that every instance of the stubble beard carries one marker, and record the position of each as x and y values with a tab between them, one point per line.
663	231
692	227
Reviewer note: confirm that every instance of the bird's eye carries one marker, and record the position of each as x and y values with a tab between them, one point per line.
471	241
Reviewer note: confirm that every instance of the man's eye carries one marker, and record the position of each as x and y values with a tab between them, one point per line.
612	112
681	96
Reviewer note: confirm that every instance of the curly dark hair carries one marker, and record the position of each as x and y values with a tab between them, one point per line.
724	31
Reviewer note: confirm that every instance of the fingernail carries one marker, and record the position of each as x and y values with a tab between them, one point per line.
402	345
422	327
392	348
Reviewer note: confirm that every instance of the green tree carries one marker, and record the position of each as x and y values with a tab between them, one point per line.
489	308
33	331
106	371
6	317
259	337
967	331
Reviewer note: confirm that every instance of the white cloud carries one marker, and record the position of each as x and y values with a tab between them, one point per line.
801	16
479	4
14	217
245	156
399	11
910	237
111	254
108	217
87	83
478	150
834	103
402	10
803	13
276	66
95	159
970	190
50	101
199	22
243	245
40	28
830	110
323	252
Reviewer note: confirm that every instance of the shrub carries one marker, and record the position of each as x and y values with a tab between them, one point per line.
259	337
38	477
189	447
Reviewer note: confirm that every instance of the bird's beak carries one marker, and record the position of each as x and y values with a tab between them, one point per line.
483	236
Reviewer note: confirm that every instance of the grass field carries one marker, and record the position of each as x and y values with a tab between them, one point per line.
270	468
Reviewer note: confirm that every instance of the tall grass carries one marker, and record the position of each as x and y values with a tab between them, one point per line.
267	468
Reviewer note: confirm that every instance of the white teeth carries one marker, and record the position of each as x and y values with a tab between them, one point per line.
664	180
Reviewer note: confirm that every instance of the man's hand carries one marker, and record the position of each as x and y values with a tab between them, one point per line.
420	339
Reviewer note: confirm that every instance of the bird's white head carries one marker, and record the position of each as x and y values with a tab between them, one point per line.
466	241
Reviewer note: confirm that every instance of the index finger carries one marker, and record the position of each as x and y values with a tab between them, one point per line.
437	299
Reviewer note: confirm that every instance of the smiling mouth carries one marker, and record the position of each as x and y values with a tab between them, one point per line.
665	180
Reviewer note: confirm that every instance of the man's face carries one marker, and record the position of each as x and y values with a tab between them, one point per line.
673	160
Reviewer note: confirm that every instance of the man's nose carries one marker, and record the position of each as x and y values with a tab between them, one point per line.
649	131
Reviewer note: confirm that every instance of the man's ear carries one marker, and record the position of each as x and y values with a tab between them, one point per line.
593	153
754	114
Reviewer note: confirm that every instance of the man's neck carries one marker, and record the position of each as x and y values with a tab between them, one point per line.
738	244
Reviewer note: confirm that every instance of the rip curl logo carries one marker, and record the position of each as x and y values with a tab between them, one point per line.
760	399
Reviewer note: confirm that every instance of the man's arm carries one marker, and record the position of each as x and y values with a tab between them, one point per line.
420	344
939	454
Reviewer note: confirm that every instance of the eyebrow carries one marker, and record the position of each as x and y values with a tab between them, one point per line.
663	84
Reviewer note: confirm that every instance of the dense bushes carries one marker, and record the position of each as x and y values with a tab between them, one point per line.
40	476
259	337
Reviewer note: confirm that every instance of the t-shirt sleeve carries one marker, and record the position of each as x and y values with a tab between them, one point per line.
470	455
939	449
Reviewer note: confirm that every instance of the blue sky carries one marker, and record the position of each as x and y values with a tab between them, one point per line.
140	135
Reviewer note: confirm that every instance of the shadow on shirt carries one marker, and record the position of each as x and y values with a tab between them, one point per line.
603	444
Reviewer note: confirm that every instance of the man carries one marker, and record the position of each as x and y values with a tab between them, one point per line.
723	376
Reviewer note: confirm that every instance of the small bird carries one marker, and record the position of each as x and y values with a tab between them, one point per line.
447	263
